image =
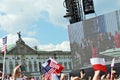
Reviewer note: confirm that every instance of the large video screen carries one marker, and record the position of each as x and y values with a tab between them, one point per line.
90	37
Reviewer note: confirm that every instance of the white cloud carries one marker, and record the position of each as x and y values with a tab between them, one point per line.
11	39
22	14
32	42
64	46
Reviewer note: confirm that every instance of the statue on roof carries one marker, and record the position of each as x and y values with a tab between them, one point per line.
20	39
19	35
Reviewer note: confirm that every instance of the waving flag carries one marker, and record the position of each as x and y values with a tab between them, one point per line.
98	64
51	67
4	42
113	61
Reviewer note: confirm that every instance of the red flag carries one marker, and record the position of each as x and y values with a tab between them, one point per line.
4	42
98	64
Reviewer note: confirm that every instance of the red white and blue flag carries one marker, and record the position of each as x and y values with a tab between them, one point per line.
4	42
51	67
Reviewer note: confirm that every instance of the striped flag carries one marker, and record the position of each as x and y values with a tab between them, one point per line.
51	67
4	42
98	64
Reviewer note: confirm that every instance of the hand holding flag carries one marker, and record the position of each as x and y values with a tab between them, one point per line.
51	67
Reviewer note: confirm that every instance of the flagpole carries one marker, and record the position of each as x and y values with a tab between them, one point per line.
3	65
111	73
112	65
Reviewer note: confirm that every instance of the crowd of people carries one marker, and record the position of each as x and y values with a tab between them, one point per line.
94	45
83	75
100	43
17	74
98	75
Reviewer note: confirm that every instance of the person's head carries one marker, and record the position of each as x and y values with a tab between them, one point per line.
109	33
116	32
114	74
63	77
82	71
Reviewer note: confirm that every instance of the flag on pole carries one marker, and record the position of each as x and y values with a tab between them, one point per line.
113	61
57	66
51	67
4	42
98	64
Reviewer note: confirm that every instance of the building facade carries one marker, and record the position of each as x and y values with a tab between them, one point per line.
31	59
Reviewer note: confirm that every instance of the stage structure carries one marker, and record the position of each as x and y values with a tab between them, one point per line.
77	9
88	38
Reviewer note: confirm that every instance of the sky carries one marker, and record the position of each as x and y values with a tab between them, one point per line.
41	22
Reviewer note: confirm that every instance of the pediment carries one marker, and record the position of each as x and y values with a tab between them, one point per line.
21	48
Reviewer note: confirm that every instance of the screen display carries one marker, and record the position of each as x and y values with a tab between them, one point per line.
90	37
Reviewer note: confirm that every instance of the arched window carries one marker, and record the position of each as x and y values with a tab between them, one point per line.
16	63
11	66
30	66
70	66
35	66
24	65
65	64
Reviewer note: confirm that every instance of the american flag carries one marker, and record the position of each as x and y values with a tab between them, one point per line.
4	42
49	68
53	65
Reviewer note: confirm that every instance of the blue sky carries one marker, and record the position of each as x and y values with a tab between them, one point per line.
41	22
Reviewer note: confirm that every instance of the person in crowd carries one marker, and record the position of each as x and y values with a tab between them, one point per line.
7	77
17	74
94	48
63	77
75	78
89	51
117	39
108	76
96	75
110	41
81	76
84	46
32	78
43	77
114	75
101	42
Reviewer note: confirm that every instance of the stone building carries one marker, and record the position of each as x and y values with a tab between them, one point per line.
31	58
